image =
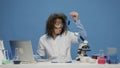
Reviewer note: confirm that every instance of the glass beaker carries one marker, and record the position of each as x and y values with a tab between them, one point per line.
112	55
16	58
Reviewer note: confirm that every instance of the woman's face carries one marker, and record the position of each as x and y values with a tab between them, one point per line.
58	26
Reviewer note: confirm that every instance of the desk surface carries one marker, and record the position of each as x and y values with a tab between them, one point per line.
61	65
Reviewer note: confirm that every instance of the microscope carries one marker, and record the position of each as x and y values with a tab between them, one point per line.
83	48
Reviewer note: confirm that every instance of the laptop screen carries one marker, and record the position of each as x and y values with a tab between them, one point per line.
22	48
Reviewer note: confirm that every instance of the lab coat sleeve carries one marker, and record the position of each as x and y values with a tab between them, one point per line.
41	50
75	37
80	30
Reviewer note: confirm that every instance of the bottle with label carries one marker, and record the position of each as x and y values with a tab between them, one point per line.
6	57
1	57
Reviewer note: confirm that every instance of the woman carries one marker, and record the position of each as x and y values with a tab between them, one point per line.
56	42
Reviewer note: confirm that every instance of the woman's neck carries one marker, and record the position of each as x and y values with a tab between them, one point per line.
54	36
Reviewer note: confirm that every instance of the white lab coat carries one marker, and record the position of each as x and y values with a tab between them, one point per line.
58	49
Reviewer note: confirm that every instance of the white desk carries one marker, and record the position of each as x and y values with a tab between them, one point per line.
61	65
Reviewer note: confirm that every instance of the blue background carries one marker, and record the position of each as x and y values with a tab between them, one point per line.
26	19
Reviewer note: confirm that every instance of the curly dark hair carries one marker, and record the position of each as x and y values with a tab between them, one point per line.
52	20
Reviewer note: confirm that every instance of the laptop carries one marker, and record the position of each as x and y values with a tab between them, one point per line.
23	49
